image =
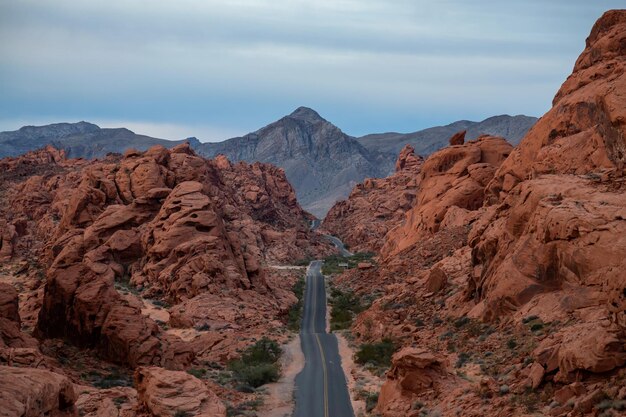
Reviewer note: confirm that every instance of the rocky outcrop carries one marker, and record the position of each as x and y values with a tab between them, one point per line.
7	240
529	305
376	206
166	393
320	161
413	371
35	392
458	138
454	177
584	130
11	335
161	224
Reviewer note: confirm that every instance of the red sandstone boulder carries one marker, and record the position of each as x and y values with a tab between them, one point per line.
166	393
458	138
412	372
31	392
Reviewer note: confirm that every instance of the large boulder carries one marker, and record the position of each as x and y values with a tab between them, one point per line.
28	392
413	371
166	393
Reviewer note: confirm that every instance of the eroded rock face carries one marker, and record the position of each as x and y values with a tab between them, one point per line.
584	130
453	177
376	206
535	288
35	392
166	393
458	138
167	223
413	371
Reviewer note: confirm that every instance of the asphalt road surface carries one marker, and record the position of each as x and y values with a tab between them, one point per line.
339	245
321	389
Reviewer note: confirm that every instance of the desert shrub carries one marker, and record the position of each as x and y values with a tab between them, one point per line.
371	399
378	354
256	375
331	263
303	262
110	380
462	359
258	365
294	317
197	372
345	305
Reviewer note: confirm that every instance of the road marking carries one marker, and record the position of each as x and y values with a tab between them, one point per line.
319	345
312	287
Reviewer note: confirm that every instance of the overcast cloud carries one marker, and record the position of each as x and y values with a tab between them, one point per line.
215	69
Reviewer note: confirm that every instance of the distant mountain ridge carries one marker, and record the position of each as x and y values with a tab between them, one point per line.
79	140
322	163
427	141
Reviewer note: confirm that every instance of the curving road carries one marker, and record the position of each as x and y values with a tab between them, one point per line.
339	245
321	389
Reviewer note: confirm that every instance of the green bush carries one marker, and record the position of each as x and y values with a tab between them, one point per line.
370	401
197	372
345	305
378	354
331	263
294	317
256	375
258	365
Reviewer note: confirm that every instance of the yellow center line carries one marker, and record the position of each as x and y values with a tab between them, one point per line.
311	281
312	286
319	344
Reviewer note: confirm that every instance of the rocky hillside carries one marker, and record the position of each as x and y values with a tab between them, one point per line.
321	162
78	140
503	290
376	206
427	141
149	261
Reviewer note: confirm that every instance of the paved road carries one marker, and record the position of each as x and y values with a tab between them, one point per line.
339	245
321	389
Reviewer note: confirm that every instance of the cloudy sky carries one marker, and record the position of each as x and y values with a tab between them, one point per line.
216	69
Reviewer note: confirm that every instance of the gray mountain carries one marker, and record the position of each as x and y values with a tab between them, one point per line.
79	140
322	163
427	141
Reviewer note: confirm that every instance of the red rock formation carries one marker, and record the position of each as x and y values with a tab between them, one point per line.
413	371
169	223
584	130
166	393
458	138
376	206
453	177
35	392
530	305
11	335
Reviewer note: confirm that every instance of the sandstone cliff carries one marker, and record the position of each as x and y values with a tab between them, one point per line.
155	258
504	284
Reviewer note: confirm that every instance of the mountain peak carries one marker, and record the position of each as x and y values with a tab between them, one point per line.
305	113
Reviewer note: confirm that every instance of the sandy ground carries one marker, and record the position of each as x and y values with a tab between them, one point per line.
286	267
279	401
154	312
